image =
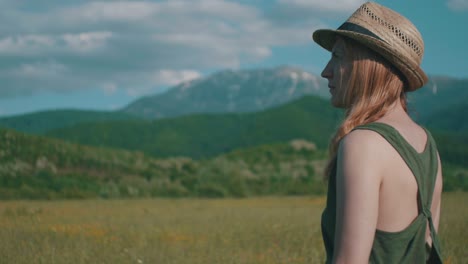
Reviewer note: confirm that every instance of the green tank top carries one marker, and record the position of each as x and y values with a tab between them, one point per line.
408	245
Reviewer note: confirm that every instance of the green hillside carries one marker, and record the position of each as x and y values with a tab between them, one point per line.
291	168
453	150
36	167
453	118
40	167
439	94
208	135
453	147
40	122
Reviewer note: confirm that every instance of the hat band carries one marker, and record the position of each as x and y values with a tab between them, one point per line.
348	26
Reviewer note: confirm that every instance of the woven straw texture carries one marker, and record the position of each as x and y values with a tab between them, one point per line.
387	33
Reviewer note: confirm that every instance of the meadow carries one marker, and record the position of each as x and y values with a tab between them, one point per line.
173	231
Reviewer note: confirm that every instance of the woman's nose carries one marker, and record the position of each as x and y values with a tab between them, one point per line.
327	73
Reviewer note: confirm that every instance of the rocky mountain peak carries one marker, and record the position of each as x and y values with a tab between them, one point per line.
243	90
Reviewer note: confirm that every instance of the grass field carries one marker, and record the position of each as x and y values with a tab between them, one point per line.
254	230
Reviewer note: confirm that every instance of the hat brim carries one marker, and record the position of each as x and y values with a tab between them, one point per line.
414	75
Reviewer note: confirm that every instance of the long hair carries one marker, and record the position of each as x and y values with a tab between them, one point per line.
374	85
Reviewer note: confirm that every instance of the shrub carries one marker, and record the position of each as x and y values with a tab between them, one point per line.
210	190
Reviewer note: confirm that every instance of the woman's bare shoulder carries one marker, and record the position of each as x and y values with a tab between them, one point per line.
362	147
363	139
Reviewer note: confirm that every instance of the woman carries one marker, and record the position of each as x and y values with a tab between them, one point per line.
385	178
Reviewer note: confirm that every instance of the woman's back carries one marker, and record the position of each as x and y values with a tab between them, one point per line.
398	206
409	184
410	190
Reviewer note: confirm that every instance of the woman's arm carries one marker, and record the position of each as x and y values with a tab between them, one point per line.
358	181
436	196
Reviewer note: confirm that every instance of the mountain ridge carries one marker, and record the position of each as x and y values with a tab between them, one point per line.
231	91
236	91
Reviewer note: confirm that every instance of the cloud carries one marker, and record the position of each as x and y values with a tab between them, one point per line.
305	12
109	88
135	46
84	42
110	11
39	70
458	5
320	6
36	44
168	77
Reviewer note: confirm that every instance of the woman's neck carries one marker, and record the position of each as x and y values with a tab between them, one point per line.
396	114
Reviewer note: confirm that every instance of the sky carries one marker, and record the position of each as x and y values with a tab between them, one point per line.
102	55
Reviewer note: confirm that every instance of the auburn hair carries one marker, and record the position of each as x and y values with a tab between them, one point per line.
373	86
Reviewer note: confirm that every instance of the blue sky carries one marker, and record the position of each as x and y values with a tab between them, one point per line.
105	54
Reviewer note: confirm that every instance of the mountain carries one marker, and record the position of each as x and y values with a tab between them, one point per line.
255	90
231	92
223	92
41	122
206	135
239	92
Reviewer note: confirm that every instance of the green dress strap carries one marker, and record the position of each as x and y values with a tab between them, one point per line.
424	167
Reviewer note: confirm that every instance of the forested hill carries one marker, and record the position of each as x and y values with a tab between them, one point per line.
207	135
439	93
36	167
41	122
452	118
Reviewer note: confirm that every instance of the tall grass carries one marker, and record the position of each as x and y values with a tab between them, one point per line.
253	230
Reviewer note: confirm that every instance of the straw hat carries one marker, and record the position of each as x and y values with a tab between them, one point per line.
387	33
